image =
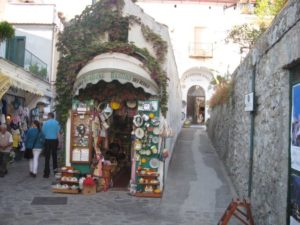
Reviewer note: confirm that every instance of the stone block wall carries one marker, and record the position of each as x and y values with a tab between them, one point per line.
229	126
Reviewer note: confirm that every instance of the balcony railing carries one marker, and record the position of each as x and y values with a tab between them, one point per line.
35	65
201	50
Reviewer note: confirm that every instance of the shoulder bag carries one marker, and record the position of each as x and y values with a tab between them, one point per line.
28	154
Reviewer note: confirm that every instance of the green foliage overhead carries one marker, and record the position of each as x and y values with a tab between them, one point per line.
269	7
6	31
99	29
245	35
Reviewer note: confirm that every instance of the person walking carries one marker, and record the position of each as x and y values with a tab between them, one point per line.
35	141
6	142
50	130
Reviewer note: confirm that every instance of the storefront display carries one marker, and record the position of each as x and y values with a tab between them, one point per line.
81	138
67	181
116	142
147	150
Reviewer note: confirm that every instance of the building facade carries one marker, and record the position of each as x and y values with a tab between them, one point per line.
119	95
28	64
198	31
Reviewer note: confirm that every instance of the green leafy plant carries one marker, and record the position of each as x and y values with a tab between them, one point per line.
246	34
221	94
6	31
269	7
99	29
35	69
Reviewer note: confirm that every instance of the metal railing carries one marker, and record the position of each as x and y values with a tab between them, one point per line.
35	65
201	50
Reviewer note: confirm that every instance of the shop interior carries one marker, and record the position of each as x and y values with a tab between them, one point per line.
119	102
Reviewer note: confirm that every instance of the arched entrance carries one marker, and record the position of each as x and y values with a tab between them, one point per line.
196	104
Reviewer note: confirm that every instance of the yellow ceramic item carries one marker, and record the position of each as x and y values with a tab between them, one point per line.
115	105
151	115
157	191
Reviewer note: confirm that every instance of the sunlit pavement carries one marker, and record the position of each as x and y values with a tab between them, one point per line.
197	192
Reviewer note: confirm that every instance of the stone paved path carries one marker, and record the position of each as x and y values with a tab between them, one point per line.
197	193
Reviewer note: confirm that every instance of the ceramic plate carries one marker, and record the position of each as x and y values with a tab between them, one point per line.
155	140
131	104
156	131
154	163
155	122
138	120
137	145
139	133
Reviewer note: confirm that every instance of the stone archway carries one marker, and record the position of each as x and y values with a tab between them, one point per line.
196	104
195	83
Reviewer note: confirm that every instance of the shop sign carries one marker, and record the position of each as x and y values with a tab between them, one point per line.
295	157
94	77
148	105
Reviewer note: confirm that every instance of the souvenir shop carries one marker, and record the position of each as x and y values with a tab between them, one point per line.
18	108
114	136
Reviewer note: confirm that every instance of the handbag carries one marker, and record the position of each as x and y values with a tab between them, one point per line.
28	154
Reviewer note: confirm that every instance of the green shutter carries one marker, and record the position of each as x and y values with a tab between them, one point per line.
15	50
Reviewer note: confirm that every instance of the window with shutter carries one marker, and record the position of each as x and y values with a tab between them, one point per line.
15	50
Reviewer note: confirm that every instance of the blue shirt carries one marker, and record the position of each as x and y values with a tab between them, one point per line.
32	135
51	129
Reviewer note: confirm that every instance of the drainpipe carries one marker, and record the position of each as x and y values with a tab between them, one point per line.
251	146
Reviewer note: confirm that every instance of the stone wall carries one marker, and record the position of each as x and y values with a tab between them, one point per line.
229	126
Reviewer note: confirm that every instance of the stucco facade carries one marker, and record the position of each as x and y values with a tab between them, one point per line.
198	31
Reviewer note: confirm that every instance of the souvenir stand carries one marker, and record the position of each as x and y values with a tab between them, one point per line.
146	150
68	177
115	140
81	134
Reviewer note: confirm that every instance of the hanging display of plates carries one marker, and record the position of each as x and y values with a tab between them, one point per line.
138	120
154	163
139	133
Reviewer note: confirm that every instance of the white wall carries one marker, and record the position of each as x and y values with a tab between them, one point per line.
40	24
182	20
30	13
38	41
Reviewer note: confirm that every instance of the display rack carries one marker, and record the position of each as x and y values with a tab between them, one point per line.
67	174
148	195
147	150
81	145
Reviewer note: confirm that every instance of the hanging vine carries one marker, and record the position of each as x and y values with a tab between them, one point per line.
99	29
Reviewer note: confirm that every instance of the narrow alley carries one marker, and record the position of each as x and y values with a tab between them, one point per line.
197	193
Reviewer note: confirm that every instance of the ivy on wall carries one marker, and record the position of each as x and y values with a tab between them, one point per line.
101	28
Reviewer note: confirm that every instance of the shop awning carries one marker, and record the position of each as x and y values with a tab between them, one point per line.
115	66
20	83
4	84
